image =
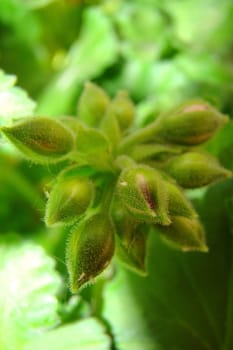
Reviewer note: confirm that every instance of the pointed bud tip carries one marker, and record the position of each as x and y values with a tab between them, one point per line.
52	221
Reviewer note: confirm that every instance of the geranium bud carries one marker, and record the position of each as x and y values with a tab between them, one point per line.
92	104
143	192
92	147
69	199
89	250
184	234
178	204
131	241
41	139
191	123
111	129
193	169
123	109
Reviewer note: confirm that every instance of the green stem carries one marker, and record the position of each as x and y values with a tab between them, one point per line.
97	298
142	135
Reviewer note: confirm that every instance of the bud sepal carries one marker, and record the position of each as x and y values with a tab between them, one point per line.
184	234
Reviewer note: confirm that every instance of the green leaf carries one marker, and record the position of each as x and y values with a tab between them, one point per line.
94	51
186	300
190	16
88	334
14	102
33	4
29	283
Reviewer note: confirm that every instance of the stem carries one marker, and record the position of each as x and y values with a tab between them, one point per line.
141	135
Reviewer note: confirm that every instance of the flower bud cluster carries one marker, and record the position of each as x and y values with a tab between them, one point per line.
119	183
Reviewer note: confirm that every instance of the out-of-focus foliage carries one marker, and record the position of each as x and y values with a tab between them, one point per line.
15	103
28	300
165	51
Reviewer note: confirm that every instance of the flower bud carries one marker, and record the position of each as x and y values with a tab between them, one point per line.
178	204
190	124
131	241
184	234
41	139
92	104
193	169
89	250
92	147
143	192
123	109
111	129
69	199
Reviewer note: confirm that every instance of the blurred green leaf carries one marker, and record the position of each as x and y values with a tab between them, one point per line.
29	284
199	23
94	51
18	20
33	4
14	101
88	334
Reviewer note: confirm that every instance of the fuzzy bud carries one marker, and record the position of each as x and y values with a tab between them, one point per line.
69	199
178	204
89	250
92	104
41	139
184	234
191	123
193	169
123	109
143	192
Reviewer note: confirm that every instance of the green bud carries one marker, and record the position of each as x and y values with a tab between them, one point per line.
178	204
123	109
41	139
69	199
89	250
131	241
92	104
193	169
143	192
93	147
111	129
191	123
184	234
